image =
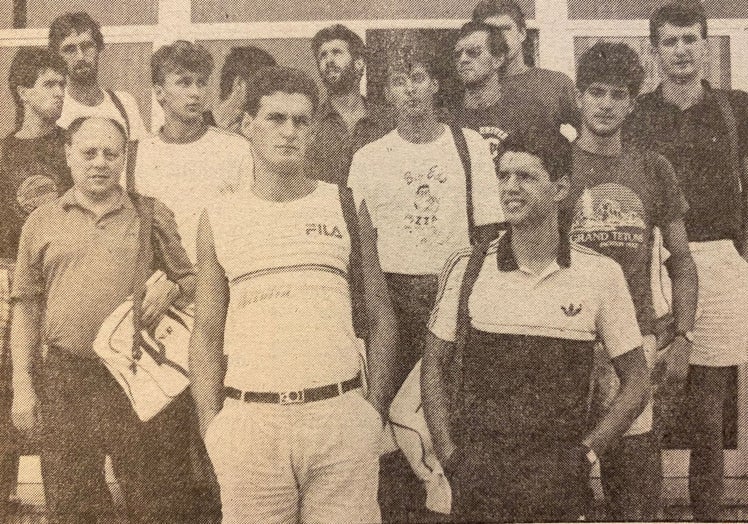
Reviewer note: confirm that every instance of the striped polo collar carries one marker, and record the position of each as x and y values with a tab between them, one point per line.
505	256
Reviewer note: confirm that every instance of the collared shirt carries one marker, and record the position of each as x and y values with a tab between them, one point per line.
528	360
696	142
332	145
82	265
581	296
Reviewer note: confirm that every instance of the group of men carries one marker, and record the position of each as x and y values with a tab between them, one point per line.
329	246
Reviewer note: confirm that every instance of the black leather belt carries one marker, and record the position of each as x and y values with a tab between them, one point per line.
299	396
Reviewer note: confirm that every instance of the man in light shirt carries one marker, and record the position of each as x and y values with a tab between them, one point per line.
77	38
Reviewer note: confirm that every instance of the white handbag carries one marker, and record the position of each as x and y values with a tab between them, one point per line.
154	379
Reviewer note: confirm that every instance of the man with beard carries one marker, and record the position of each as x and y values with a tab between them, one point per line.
32	171
77	38
480	53
344	123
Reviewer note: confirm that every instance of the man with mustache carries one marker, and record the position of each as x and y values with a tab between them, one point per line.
77	38
344	122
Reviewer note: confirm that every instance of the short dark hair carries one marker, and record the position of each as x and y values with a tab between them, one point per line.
339	32
549	145
274	79
180	56
74	23
76	124
488	8
242	62
681	13
496	43
612	63
28	64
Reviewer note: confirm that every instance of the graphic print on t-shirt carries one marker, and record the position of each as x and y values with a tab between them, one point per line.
38	187
495	137
610	219
421	219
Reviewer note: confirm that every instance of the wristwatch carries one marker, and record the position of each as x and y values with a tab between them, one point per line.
688	335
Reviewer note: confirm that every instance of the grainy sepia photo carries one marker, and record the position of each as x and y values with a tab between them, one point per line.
373	262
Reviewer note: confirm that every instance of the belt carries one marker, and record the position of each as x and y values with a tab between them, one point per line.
298	396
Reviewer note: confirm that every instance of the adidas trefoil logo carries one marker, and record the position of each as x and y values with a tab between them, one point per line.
571	310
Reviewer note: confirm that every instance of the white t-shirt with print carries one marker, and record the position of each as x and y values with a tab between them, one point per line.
188	177
415	194
72	109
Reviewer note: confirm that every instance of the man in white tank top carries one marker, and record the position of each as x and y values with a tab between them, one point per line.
296	439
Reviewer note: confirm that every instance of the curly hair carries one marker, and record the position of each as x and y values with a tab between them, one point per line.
610	63
274	79
356	46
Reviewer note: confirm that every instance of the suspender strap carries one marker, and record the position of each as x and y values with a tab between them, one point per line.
355	269
132	145
462	150
143	263
737	167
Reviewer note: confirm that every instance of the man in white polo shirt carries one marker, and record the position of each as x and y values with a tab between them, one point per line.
296	439
521	316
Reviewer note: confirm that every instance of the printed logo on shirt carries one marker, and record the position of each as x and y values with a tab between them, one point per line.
421	221
323	229
571	310
610	219
495	136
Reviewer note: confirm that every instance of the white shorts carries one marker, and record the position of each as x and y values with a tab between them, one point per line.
314	463
721	329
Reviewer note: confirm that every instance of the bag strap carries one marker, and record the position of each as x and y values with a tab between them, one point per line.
462	149
732	132
132	145
355	271
143	263
474	265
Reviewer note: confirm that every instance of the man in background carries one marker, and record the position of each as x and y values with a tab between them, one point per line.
77	39
703	132
240	64
553	90
344	121
32	171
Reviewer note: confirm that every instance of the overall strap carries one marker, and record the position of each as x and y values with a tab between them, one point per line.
737	167
462	334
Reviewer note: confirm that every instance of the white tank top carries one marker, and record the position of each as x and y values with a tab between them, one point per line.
289	323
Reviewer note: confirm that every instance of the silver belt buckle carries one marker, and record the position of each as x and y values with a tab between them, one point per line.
291	397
